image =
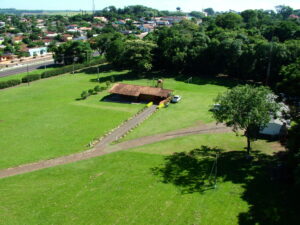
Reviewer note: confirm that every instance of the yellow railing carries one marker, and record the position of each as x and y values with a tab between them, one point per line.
150	104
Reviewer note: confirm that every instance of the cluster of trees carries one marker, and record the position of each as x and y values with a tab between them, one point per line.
253	45
72	52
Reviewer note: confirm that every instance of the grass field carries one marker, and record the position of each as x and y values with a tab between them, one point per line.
121	188
144	185
44	120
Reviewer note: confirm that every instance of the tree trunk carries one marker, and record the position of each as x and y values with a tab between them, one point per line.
248	145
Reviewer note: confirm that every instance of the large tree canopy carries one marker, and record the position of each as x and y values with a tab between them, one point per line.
246	108
72	52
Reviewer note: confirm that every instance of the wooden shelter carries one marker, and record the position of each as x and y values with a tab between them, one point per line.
140	93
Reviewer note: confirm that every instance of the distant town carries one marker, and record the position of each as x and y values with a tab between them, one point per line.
28	35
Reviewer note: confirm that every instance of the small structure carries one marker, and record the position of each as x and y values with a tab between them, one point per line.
140	93
6	57
278	125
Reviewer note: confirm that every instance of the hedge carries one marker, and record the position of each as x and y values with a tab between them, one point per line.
9	83
69	68
30	78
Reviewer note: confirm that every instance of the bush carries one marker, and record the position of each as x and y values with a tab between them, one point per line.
69	68
84	95
97	88
108	83
30	78
91	91
9	83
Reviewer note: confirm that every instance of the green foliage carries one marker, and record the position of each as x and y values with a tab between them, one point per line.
9	83
112	79
246	108
290	83
91	91
229	20
102	42
97	88
84	95
108	83
72	52
30	78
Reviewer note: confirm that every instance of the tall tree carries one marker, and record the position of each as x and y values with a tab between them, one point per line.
246	108
72	51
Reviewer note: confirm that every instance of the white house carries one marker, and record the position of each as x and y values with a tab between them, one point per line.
37	51
277	125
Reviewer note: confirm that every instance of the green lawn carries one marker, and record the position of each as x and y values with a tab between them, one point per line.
121	188
144	185
44	120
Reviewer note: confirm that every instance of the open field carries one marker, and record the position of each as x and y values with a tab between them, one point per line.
44	120
144	185
121	188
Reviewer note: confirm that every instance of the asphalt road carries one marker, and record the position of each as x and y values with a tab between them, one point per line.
25	68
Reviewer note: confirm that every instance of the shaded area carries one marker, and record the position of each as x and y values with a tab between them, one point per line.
121	99
265	178
154	75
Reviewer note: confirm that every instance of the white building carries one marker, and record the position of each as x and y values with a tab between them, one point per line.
37	51
276	126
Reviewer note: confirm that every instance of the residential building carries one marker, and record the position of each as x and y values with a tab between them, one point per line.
37	51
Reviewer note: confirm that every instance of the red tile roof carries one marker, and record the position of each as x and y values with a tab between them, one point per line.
137	90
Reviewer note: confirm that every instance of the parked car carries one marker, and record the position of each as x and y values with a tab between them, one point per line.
176	98
215	107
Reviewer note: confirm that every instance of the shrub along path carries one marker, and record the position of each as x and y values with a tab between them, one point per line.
103	147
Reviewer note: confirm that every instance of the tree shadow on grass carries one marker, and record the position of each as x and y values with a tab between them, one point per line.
263	177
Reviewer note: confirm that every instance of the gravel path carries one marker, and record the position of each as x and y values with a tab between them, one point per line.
103	147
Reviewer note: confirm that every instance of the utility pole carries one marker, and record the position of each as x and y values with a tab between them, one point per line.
269	64
94	7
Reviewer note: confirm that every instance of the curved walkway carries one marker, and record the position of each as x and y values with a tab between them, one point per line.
102	147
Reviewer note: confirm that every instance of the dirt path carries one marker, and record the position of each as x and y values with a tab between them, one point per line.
102	147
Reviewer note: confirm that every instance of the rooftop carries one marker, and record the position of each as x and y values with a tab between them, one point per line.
137	90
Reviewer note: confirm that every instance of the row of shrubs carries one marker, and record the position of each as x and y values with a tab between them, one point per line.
93	91
55	72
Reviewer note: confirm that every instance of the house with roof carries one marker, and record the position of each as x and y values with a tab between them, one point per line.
101	18
147	27
140	93
68	37
51	35
72	27
18	39
2	24
6	57
1	40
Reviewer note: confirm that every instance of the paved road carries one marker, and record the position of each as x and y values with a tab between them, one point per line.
103	148
23	68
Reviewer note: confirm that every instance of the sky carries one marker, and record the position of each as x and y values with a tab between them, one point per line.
186	5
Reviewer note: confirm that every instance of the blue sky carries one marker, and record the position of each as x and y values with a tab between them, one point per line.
186	5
